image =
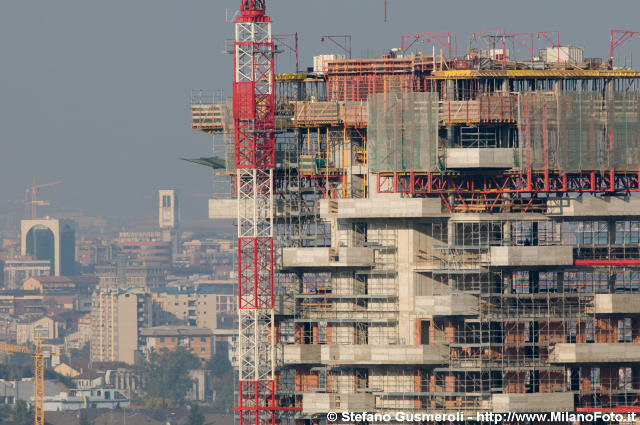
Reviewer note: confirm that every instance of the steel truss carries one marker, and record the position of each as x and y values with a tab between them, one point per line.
254	123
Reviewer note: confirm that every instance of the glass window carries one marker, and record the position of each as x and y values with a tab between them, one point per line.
595	378
586	281
520	282
628	281
585	233
590	334
627	232
624	330
548	282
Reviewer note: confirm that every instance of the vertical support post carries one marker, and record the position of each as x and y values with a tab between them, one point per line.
254	120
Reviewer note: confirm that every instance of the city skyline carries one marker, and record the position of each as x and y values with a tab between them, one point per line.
96	95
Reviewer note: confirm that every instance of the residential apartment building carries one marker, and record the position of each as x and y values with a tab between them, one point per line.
204	305
197	340
117	316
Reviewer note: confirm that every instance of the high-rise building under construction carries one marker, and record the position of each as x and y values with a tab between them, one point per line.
449	233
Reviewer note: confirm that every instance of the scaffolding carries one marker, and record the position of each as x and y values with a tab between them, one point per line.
524	140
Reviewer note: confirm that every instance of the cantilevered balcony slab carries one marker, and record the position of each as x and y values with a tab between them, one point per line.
357	257
617	303
427	307
322	403
299	354
537	402
464	158
515	256
381	208
333	354
318	403
434	354
589	206
595	353
222	209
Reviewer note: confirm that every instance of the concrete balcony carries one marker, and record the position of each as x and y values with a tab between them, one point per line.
480	158
515	256
537	402
293	258
223	209
435	354
617	303
322	403
381	208
427	307
301	354
595	353
589	206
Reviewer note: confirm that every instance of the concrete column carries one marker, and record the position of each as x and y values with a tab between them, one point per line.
450	89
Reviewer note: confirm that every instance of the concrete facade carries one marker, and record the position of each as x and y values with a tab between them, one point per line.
518	256
327	257
480	158
595	353
58	246
117	317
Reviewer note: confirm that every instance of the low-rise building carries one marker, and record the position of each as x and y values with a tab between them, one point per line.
130	273
198	340
205	305
16	272
49	285
101	398
21	303
28	332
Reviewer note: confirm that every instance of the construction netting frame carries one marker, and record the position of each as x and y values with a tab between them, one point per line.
579	132
403	132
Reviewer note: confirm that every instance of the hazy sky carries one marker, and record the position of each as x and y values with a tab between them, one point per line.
95	93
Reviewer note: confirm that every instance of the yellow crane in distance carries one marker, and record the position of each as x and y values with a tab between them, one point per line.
30	196
38	374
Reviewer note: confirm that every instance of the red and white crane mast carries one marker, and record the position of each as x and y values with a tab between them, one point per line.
254	121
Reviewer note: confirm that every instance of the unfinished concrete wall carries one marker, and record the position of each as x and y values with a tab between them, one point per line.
446	305
540	402
592	207
461	158
531	256
381	208
617	303
595	353
327	257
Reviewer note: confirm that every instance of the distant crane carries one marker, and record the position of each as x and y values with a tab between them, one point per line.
30	195
25	203
38	374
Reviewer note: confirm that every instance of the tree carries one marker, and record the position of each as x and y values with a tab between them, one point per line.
223	378
195	417
165	376
23	412
84	419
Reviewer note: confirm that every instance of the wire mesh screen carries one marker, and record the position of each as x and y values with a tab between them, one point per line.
403	131
580	131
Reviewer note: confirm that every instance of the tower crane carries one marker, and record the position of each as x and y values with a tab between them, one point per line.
38	374
30	196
